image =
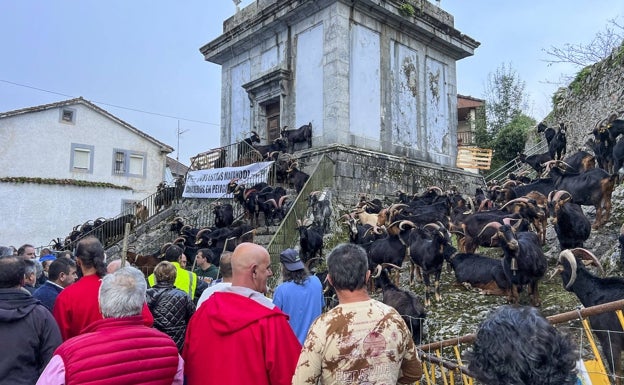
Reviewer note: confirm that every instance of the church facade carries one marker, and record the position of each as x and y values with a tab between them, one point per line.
368	74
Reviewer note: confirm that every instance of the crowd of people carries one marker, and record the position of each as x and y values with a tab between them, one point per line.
92	320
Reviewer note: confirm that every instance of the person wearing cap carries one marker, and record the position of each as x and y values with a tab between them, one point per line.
300	295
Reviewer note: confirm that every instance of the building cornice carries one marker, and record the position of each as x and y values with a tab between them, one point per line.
263	18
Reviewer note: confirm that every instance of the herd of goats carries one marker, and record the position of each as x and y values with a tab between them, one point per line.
418	230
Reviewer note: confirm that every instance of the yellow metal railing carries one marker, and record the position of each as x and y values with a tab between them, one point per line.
442	363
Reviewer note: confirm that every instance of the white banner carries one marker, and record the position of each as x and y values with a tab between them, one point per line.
212	183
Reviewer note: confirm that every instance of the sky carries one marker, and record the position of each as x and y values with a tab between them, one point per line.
140	59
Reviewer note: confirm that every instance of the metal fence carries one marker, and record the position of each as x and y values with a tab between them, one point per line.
442	360
287	235
515	165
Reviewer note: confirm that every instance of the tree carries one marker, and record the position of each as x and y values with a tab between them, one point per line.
511	140
505	98
582	55
506	123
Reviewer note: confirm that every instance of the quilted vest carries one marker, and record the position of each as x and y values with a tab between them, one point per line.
119	351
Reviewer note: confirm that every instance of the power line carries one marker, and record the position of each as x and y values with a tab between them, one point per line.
111	105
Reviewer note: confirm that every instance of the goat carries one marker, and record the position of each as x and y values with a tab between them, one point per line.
536	161
223	214
277	145
549	133
391	249
246	145
406	303
591	291
593	187
571	225
141	212
310	241
296	177
618	159
165	196
481	272
428	248
524	262
301	135
580	161
557	146
320	203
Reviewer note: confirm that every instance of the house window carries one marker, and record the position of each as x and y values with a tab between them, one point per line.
81	158
129	163
120	162
68	115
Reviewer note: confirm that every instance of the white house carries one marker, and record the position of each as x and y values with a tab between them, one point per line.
69	162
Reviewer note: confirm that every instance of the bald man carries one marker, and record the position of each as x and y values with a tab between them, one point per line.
243	326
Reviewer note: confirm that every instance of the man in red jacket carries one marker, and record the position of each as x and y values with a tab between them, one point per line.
238	336
77	306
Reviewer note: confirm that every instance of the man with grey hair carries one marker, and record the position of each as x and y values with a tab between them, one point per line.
118	348
361	340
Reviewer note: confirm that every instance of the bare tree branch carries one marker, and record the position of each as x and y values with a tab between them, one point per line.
583	55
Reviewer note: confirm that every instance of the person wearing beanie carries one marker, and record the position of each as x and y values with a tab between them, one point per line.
300	295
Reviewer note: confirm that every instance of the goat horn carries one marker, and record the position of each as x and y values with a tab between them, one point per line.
377	271
435	188
494	225
587	255
569	256
557	195
386	264
406	223
521	199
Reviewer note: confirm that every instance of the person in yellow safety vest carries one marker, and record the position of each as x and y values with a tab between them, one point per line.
185	280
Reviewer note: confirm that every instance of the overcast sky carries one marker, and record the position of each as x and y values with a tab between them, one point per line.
144	55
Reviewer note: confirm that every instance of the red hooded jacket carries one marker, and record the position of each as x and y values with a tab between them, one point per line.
232	339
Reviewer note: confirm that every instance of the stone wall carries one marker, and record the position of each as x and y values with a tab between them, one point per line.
379	175
597	91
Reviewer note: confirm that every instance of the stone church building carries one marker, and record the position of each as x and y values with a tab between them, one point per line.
370	75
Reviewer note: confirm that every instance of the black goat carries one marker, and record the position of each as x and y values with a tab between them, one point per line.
549	133
618	159
246	145
277	145
481	272
557	146
591	291
296	177
580	161
406	303
301	135
224	214
571	225
536	161
524	262
593	187
310	241
428	248
392	248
